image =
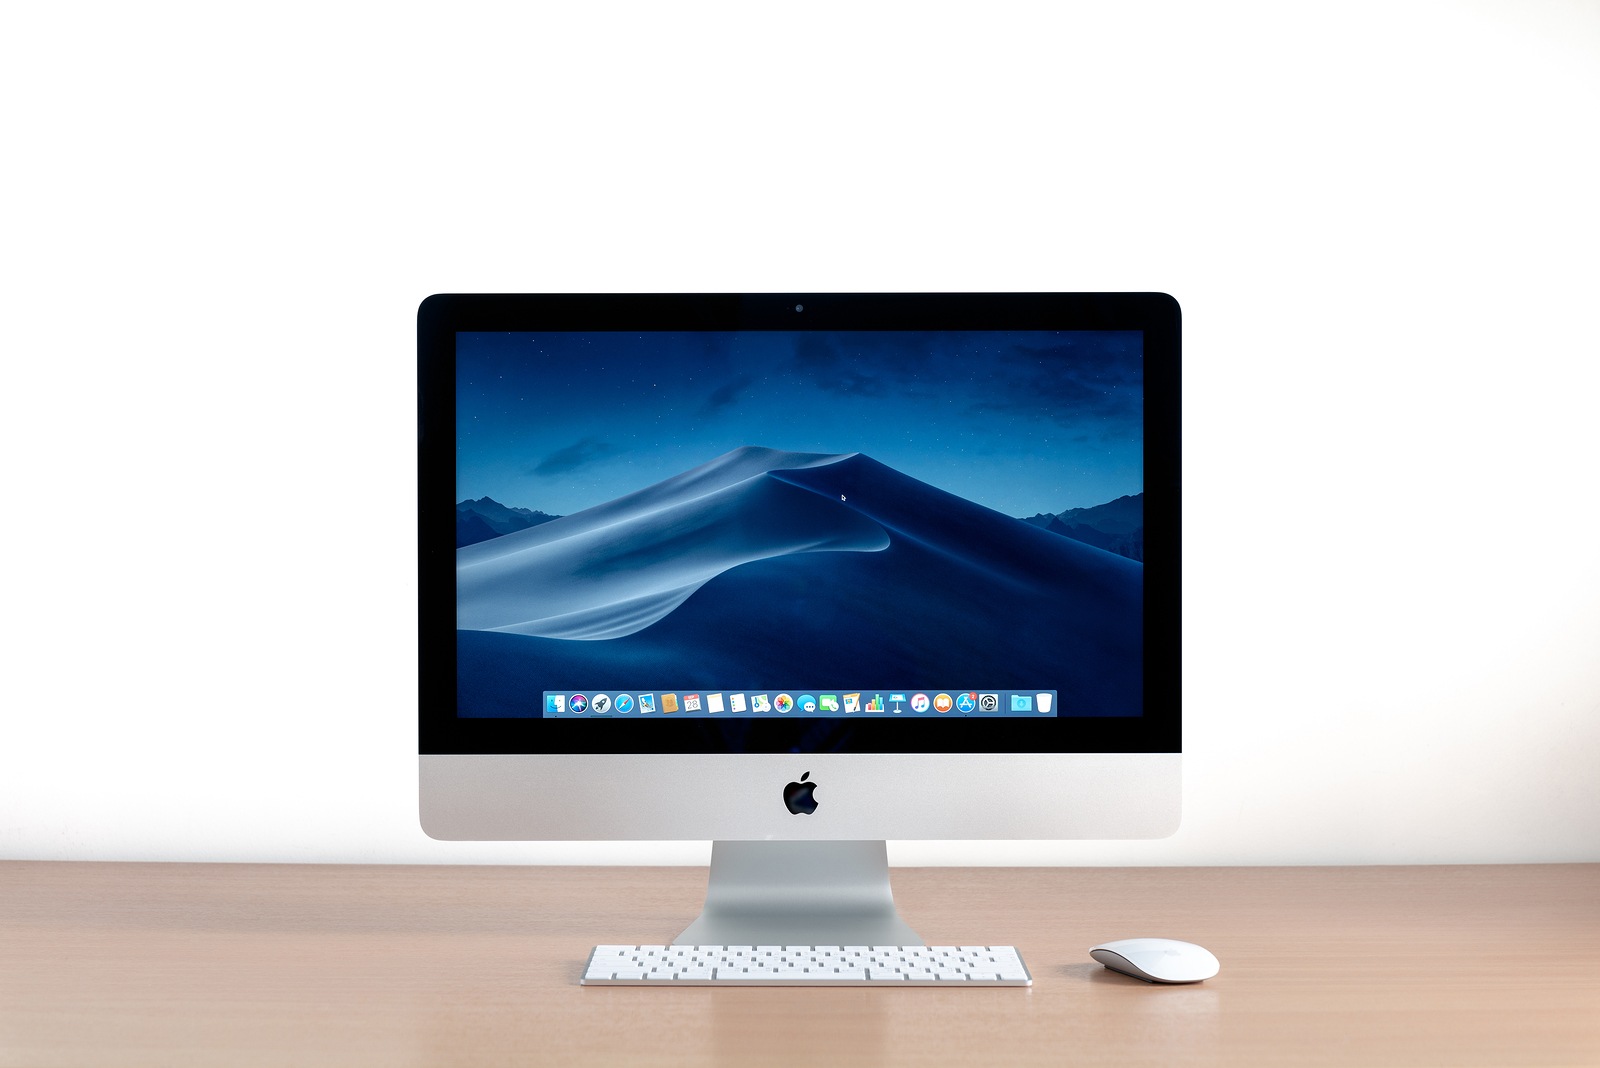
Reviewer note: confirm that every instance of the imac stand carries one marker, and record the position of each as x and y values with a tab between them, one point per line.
799	894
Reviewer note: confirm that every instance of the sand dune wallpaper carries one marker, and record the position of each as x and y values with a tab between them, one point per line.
870	508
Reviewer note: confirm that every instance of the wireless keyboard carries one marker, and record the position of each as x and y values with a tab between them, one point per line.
805	966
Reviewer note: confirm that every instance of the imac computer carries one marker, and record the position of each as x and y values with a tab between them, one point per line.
798	574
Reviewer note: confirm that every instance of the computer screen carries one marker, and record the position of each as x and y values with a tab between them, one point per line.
918	554
827	525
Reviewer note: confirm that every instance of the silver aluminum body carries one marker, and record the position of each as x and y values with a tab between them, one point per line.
799	893
860	796
780	878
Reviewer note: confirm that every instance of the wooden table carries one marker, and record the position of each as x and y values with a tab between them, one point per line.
174	964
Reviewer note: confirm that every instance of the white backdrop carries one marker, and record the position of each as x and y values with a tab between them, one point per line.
1380	219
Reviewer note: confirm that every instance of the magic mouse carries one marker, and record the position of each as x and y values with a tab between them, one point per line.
1157	960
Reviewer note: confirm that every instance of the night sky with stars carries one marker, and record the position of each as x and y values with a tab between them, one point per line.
1021	422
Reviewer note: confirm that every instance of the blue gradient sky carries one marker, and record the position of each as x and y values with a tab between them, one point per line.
1021	422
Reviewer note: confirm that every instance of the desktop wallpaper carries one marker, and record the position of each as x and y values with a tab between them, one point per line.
769	509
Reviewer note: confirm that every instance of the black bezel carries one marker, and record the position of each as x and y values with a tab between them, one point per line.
440	317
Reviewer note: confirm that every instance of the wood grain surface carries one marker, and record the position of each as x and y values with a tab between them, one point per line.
178	964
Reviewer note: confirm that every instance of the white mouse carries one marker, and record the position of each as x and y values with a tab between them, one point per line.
1158	960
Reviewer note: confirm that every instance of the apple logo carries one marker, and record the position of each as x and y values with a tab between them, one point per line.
800	796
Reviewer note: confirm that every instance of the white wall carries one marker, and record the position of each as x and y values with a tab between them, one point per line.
1380	219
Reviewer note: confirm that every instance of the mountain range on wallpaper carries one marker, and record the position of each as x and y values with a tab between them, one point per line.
769	568
487	518
1116	526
